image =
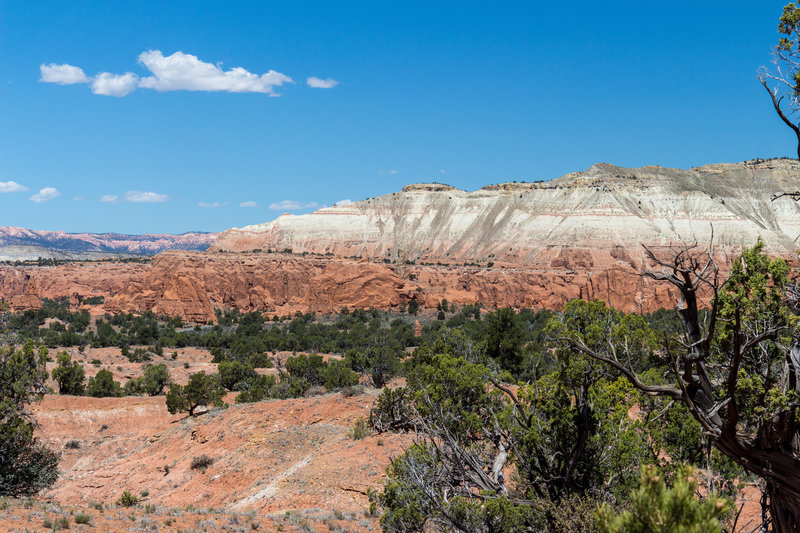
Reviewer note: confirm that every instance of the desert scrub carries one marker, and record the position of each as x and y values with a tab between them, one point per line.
82	518
57	524
127	499
352	390
360	429
201	463
72	445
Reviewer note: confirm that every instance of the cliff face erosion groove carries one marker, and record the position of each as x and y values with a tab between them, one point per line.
524	244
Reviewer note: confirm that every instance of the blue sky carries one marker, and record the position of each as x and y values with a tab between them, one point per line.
466	93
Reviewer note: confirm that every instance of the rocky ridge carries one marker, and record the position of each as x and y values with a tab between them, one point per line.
602	208
21	244
515	244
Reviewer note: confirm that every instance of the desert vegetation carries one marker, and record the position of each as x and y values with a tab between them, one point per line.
520	422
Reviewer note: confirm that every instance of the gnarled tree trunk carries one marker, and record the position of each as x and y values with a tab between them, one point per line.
784	507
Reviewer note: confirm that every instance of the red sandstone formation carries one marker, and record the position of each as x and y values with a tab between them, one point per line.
510	245
192	285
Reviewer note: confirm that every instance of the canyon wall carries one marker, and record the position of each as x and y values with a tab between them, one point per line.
520	245
192	285
603	208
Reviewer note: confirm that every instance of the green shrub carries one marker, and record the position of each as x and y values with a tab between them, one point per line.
360	429
657	507
392	410
82	518
309	368
260	360
233	375
103	385
201	390
152	382
127	499
259	389
338	375
69	375
26	466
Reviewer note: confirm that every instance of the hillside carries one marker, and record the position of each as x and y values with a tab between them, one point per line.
599	209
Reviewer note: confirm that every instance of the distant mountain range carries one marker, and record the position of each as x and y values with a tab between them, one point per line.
21	244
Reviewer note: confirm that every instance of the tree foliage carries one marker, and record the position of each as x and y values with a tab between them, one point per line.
103	385
737	371
69	375
26	465
202	390
657	508
152	382
567	436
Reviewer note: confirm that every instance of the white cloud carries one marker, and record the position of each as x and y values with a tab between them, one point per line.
62	74
211	204
186	72
392	172
78	198
109	198
291	205
145	197
118	85
442	171
340	203
248	204
48	193
319	83
11	186
176	72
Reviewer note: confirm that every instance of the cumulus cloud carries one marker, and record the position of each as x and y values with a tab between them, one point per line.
291	205
319	83
248	204
211	204
145	197
11	186
62	74
176	72
118	85
181	71
340	203
392	172
109	198
48	193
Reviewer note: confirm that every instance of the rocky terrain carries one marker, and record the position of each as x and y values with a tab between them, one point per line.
20	244
601	209
515	244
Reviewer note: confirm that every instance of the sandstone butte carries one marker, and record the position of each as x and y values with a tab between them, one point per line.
514	244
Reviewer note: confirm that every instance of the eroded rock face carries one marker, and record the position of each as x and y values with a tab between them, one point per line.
579	236
600	208
192	285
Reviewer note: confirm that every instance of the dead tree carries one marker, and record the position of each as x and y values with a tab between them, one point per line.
785	76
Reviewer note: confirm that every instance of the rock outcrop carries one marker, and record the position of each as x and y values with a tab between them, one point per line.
605	209
515	244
